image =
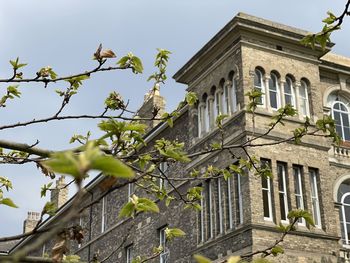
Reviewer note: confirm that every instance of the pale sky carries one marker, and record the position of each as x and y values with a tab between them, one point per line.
64	34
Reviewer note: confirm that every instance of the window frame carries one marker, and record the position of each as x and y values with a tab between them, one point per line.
341	112
275	81
290	82
129	254
304	86
163	243
260	75
103	214
268	189
298	182
283	192
314	177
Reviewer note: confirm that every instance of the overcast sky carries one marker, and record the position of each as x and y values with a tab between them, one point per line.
64	34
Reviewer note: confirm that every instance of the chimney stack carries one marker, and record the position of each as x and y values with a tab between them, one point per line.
31	221
153	103
59	195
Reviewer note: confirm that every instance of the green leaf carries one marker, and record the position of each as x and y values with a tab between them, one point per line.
234	259
8	202
201	259
147	205
191	98
112	167
277	250
64	163
127	210
50	209
174	232
44	189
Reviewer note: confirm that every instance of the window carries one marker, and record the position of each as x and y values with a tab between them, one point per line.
227	99
267	202
289	92
340	115
209	114
164	256
239	199
274	92
344	213
303	99
103	214
266	193
282	190
234	96
129	254
201	219
131	189
259	85
314	197
229	204
298	190
218	103
163	167
220	204
201	118
210	211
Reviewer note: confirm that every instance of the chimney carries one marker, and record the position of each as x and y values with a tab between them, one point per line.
31	221
59	195
153	103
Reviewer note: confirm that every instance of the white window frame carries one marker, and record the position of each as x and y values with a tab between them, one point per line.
258	74
103	214
240	199
304	100
297	173
163	257
341	112
269	199
163	167
202	237
210	210
343	219
218	103
199	120
274	79
292	90
221	215
283	192
129	253
227	99
315	202
229	203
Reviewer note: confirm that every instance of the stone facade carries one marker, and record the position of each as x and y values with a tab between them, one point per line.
240	216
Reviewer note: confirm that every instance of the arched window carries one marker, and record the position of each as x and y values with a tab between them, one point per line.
218	103
304	99
233	92
202	116
340	114
225	97
344	200
289	92
274	92
259	84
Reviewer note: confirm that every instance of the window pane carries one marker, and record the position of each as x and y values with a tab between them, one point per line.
266	203
345	119
273	99
282	206
272	84
257	78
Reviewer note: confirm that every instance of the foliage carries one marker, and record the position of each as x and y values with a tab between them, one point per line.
121	155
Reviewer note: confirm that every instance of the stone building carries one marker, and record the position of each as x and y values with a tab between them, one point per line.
240	215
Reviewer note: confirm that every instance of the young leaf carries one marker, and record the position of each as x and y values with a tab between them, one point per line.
8	202
201	259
